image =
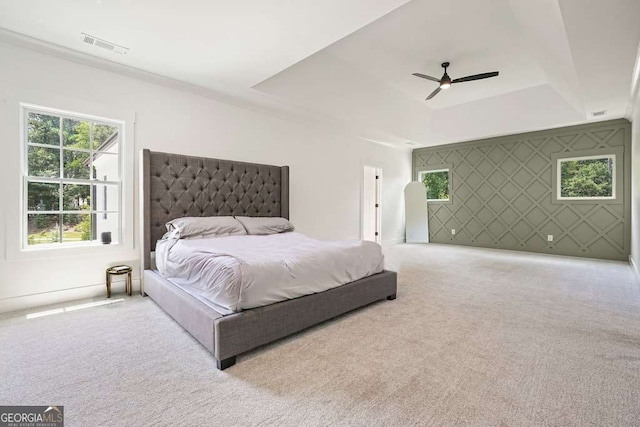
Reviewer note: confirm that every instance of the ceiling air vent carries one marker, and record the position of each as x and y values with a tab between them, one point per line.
599	113
95	41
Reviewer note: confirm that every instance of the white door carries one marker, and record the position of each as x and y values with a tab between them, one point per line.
371	209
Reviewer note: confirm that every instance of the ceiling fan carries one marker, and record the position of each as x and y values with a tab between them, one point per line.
446	82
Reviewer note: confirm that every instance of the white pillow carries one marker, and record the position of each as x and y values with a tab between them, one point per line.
265	225
204	227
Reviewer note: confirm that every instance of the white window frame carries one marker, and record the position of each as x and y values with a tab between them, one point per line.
25	109
421	174
594	157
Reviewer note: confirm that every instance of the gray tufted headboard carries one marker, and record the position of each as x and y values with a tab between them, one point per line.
175	186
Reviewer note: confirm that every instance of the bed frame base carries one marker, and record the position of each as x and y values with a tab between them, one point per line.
230	335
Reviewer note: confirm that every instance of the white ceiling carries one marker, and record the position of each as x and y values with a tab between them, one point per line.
419	37
204	42
349	62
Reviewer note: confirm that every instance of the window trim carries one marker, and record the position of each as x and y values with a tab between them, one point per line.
25	110
593	157
618	191
437	168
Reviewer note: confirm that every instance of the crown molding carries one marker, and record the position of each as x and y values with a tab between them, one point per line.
247	99
44	47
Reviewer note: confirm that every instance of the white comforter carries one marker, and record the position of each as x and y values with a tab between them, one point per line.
241	272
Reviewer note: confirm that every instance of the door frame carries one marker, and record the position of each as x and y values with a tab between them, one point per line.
378	199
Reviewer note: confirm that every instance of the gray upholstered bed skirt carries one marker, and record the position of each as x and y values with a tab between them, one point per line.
228	336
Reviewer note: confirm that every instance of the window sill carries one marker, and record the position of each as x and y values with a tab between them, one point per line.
587	201
439	201
562	199
65	246
80	249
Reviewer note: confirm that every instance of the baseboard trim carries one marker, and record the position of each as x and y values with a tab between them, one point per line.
26	302
391	242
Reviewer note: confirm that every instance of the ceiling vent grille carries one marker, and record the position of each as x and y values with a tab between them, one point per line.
599	113
112	47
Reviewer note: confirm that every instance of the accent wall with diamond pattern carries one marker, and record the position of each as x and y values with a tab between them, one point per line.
502	193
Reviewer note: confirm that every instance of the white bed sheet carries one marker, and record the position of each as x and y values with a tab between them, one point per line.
235	273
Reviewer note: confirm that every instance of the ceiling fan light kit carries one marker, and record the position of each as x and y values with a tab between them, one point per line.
445	81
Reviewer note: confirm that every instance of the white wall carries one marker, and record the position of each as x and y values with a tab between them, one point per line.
635	180
326	167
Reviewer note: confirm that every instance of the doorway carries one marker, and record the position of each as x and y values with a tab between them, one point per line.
371	201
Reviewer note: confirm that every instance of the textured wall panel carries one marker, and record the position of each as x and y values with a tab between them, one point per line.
502	193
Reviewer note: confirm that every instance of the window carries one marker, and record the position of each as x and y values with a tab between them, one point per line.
437	184
587	178
72	179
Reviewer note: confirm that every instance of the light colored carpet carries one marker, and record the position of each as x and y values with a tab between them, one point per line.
476	337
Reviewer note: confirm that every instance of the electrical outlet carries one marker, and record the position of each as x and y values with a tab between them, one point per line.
549	237
453	231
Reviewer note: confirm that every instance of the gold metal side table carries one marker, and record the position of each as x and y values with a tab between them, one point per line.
117	270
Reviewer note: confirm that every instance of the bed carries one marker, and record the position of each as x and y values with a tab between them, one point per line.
175	186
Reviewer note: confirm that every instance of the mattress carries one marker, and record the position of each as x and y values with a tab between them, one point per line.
236	273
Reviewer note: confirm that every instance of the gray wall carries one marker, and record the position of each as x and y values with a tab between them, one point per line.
502	193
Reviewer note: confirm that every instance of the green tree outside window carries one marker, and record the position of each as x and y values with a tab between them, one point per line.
586	178
437	184
60	148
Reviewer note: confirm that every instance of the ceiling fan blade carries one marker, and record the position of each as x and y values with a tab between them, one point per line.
434	93
424	76
475	77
